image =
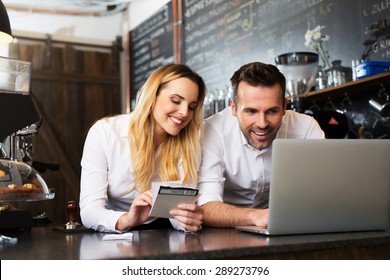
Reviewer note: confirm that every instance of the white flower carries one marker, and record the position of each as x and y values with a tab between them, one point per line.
315	40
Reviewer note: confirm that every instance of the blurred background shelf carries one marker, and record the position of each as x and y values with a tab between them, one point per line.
368	84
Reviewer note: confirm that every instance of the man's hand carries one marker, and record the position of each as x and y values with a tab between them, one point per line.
219	214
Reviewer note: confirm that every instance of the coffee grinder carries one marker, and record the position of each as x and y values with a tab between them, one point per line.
300	71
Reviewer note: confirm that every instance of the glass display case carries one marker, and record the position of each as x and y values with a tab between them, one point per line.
21	182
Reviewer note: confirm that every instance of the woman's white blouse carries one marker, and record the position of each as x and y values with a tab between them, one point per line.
107	174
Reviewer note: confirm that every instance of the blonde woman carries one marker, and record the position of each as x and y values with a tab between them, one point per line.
159	141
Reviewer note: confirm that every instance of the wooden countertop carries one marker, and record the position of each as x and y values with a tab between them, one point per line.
211	243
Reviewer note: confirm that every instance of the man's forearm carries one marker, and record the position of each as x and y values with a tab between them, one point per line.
219	214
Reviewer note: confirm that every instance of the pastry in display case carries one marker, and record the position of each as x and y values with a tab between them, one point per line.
21	182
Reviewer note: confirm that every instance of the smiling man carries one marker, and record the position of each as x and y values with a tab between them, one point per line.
235	172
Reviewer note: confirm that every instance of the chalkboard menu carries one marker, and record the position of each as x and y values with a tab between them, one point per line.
375	20
222	35
151	45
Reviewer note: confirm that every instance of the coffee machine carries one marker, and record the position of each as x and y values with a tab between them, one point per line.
19	122
300	70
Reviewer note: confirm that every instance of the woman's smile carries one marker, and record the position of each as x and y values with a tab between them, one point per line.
176	120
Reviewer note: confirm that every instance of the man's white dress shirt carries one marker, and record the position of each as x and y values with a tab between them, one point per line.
234	172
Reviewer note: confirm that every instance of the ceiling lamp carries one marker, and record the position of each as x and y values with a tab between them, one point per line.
5	27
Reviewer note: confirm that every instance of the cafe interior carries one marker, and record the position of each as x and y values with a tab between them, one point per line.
66	64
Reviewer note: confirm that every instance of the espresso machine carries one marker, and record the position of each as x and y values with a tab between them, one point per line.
19	122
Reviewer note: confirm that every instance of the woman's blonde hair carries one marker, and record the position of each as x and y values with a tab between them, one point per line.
185	146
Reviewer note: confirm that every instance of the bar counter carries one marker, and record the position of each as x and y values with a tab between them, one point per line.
211	243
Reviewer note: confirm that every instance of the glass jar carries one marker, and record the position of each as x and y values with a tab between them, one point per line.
322	78
338	74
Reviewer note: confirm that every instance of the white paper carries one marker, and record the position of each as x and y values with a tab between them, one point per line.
118	236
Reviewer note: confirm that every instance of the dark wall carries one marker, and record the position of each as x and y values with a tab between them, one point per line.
151	45
221	35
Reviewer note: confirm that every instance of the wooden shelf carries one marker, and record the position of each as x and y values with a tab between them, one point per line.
372	83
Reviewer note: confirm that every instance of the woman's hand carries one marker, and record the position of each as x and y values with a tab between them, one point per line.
189	216
138	213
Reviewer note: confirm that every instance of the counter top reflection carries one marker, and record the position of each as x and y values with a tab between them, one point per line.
211	243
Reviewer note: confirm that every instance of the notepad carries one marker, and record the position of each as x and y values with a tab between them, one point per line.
167	195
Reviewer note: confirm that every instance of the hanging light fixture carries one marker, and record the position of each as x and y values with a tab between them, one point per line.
5	27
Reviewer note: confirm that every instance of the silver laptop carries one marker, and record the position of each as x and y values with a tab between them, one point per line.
333	185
